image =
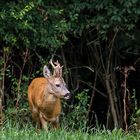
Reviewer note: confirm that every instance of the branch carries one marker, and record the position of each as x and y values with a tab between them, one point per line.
93	88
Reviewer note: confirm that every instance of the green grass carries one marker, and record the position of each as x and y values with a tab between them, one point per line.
16	132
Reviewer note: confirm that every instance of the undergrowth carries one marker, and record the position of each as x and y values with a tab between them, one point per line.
14	131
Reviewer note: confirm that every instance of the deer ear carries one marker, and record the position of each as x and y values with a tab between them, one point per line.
46	72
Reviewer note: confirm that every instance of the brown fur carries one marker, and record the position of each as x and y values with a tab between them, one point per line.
44	106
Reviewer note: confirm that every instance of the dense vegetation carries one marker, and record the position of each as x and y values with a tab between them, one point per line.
96	41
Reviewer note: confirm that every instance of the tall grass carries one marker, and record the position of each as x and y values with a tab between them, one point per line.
13	131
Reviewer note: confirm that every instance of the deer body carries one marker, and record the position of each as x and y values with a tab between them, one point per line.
44	95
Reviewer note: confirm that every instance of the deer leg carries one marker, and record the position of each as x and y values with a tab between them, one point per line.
43	122
35	115
55	123
36	120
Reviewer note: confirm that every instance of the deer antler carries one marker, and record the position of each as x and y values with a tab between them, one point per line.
52	64
57	68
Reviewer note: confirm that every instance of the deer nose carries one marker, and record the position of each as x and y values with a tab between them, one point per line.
67	95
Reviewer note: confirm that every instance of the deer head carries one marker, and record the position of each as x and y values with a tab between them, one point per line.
56	84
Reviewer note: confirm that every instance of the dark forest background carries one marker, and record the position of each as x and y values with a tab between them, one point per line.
97	41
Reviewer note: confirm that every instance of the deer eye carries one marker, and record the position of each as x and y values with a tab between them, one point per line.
57	85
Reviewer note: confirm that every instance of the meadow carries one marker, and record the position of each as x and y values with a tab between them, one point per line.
15	131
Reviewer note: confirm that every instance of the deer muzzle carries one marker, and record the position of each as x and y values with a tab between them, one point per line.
67	95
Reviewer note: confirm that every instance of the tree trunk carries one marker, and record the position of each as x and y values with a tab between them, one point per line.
1	100
111	100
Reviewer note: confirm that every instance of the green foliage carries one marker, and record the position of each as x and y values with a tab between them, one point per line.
116	15
136	113
19	15
43	24
77	115
43	27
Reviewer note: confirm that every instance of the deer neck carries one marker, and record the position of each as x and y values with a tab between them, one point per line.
49	96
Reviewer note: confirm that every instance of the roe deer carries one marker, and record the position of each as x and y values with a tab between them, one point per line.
44	95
